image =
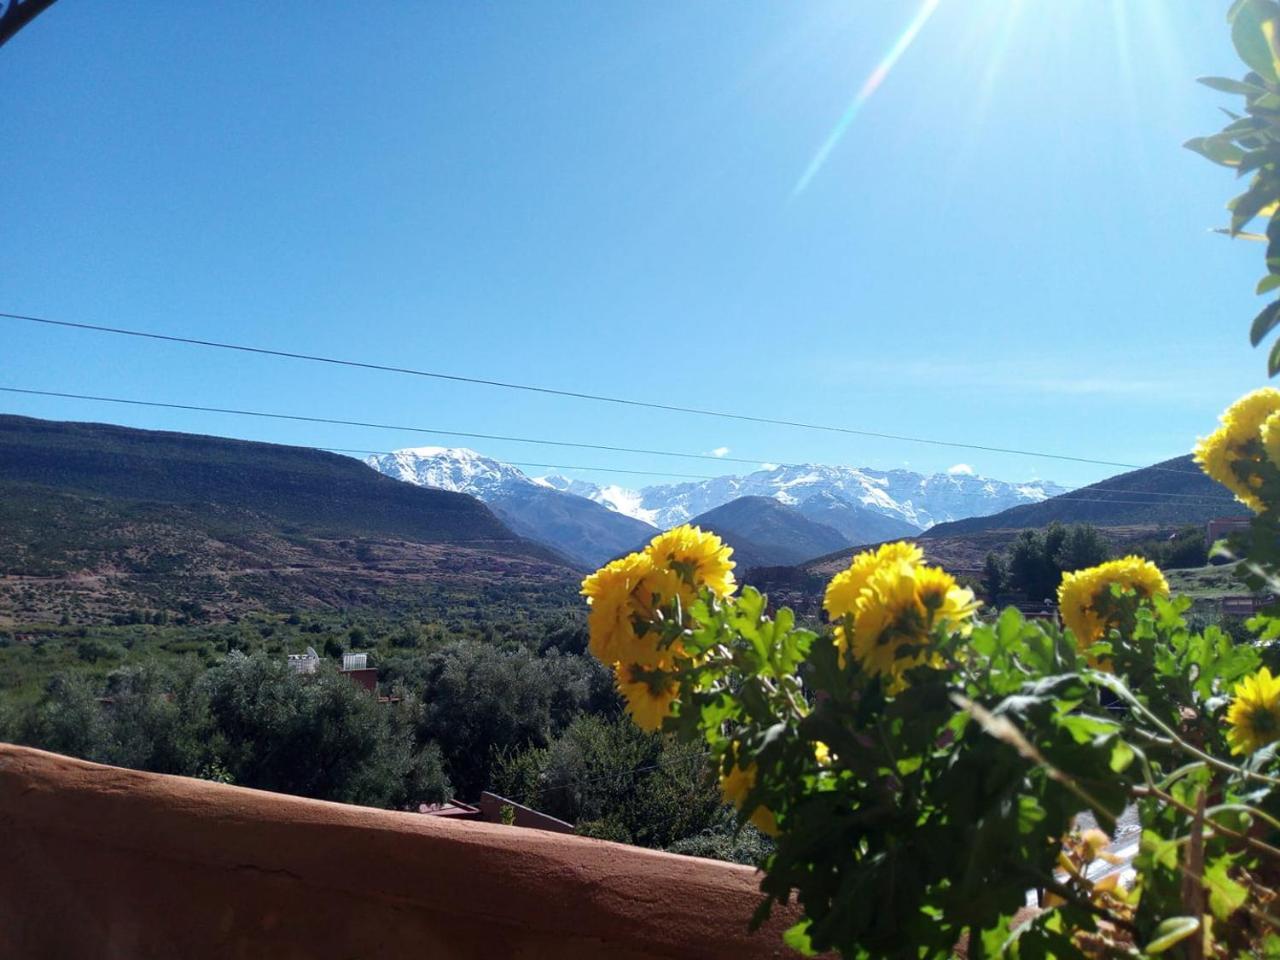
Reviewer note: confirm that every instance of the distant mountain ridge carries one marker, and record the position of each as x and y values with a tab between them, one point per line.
1170	493
767	533
583	530
915	500
591	523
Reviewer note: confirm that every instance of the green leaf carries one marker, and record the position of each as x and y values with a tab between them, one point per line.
1219	149
1084	728
1225	895
1268	283
1260	195
1253	30
1121	756
1226	85
797	938
1172	931
1264	322
1273	361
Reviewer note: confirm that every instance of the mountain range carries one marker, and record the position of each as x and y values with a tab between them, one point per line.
917	500
586	532
96	518
784	512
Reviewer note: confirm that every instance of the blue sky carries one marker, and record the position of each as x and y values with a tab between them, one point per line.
1007	245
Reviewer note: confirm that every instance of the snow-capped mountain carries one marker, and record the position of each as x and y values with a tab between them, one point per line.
583	530
593	523
910	497
621	499
450	468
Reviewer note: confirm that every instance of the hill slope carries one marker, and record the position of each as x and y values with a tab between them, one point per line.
112	515
858	523
1167	494
764	532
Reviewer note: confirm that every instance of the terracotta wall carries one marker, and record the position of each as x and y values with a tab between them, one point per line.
99	862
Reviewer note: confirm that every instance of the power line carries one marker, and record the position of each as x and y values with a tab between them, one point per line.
378	426
577	395
456	433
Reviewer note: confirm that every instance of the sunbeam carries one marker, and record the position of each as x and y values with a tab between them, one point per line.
869	86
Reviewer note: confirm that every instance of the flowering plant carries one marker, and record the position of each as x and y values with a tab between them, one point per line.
929	770
923	767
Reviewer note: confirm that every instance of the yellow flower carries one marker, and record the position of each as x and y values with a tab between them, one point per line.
822	753
1270	433
649	692
1083	595
700	559
1241	437
1254	714
895	602
611	594
845	588
624	596
736	785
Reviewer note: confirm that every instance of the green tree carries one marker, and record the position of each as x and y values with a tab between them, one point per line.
1031	568
479	698
616	782
318	735
995	575
1040	557
67	719
1081	546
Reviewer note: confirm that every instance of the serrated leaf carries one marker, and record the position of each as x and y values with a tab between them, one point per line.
1225	895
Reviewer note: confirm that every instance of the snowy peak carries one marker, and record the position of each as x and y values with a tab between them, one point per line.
450	468
911	498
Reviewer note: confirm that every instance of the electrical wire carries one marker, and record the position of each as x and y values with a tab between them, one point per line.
477	436
574	394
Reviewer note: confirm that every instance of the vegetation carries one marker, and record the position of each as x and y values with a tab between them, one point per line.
248	720
618	783
1250	144
1039	558
517	708
919	769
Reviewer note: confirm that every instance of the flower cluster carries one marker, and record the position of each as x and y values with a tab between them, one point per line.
887	604
1254	716
634	598
736	784
1084	597
1249	435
